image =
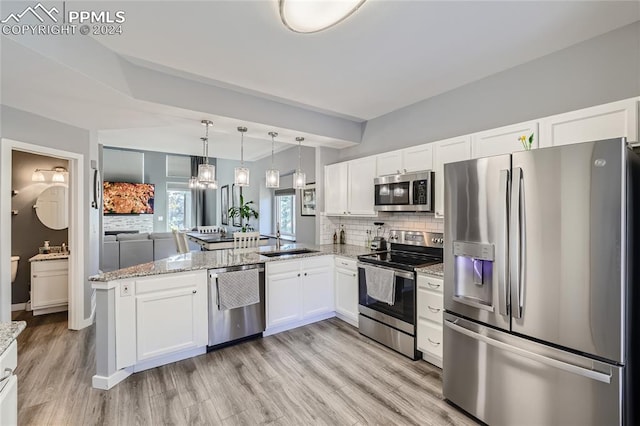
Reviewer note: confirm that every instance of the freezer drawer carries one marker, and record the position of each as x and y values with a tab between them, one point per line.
506	380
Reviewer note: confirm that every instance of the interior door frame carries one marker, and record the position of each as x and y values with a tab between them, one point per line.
76	226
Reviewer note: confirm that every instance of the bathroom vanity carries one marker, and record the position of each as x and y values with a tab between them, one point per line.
49	283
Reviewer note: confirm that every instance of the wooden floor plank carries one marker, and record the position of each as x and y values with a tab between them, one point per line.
325	373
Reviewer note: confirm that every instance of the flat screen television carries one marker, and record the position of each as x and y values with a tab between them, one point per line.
128	198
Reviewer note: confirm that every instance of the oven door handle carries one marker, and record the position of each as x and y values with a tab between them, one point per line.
399	272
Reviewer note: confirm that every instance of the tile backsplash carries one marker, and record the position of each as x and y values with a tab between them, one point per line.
356	228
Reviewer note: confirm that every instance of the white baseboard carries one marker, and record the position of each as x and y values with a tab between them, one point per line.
19	307
432	359
292	325
347	319
50	310
107	382
168	359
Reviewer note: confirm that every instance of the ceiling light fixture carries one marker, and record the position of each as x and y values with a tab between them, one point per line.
273	175
206	178
57	174
241	173
37	176
299	177
310	16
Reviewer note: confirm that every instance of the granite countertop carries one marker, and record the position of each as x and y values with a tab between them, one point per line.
49	256
436	270
197	260
8	333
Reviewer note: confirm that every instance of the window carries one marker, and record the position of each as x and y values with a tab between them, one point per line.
286	212
178	206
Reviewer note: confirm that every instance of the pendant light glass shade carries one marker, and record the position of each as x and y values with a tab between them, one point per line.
272	175
299	180
206	173
299	177
57	177
273	178
193	182
241	174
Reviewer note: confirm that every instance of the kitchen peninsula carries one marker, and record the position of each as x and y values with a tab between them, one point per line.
156	313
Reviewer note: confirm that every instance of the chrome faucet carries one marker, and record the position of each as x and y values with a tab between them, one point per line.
277	235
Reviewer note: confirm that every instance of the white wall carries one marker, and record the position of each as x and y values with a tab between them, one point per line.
597	71
25	127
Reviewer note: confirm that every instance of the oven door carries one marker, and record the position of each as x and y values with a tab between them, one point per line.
401	314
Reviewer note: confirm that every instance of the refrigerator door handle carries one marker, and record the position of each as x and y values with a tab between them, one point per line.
515	243
503	291
561	365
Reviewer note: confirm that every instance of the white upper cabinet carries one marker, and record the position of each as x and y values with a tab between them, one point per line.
614	120
389	163
349	187
360	199
447	151
335	184
503	140
418	158
413	159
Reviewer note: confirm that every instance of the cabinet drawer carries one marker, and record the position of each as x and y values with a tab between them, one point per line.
430	305
429	337
169	281
430	283
282	267
49	265
345	263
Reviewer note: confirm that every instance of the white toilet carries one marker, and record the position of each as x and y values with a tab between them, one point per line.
14	267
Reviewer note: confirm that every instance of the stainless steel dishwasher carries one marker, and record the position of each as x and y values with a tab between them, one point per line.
227	326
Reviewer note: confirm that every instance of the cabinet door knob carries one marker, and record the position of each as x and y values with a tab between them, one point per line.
195	291
35	276
298	274
305	274
354	275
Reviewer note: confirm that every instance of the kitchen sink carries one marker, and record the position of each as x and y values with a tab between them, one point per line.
288	252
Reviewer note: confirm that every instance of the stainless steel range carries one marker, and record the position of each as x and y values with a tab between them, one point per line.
387	288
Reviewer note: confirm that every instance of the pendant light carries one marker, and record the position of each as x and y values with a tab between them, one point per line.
206	171
241	173
273	175
299	177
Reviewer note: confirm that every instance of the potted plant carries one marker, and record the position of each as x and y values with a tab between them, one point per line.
245	211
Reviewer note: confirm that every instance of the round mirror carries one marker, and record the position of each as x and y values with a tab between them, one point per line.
52	207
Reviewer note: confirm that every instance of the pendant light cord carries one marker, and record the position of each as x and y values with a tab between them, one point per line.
242	149
299	139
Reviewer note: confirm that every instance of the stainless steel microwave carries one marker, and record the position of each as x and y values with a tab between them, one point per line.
410	192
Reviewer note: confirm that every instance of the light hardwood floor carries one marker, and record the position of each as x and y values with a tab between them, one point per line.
325	373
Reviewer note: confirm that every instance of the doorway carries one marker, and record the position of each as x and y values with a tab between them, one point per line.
75	240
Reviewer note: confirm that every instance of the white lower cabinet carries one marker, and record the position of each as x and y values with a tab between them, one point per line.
160	316
49	286
346	285
429	305
9	392
298	292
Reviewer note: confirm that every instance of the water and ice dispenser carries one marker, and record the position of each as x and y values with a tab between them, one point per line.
473	274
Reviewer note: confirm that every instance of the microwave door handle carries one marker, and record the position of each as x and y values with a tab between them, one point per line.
503	277
515	243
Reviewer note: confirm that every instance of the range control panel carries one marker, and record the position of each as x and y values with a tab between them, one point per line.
417	238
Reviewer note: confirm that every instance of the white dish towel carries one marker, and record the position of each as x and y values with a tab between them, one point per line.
237	289
381	284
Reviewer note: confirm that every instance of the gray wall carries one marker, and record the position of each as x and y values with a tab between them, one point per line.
34	129
285	161
27	232
597	71
155	172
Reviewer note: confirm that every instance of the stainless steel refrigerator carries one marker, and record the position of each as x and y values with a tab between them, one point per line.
541	286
